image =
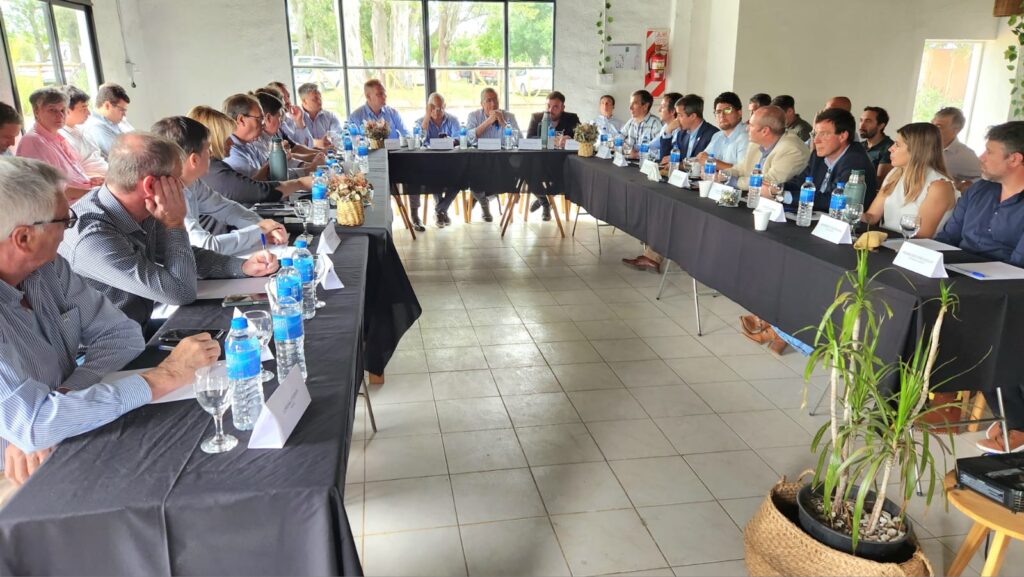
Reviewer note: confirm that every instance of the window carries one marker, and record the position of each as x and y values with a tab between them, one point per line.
50	43
949	77
416	47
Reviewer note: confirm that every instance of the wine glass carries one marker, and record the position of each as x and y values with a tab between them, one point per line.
213	391
851	214
627	147
263	327
909	225
318	270
303	210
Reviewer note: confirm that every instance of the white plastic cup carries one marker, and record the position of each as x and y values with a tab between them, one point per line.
761	218
705	188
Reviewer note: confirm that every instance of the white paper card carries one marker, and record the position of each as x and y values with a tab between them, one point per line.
278	250
896	243
220	288
717	188
329	240
392	144
530	144
328	277
650	168
281	413
604	152
488	143
571	144
777	212
442	144
832	230
921	260
620	160
988	270
679	179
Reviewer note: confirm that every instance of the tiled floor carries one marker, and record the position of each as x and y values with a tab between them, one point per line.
548	416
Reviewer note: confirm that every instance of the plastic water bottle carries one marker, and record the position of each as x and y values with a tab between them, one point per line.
306	266
415	142
654	152
673	160
242	351
278	160
463	137
289	281
347	146
754	186
363	160
645	150
321	206
618	143
837	203
710	167
288	332
856	188
805	210
603	141
508	143
545	131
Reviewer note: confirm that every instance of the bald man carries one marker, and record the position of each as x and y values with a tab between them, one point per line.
839	102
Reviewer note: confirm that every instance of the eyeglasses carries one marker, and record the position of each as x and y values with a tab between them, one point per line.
725	111
123	109
261	119
816	134
69	222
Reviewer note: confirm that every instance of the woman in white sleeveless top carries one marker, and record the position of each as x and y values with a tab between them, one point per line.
918	183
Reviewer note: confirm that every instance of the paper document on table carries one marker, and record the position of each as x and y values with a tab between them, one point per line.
220	288
278	250
896	243
180	394
988	270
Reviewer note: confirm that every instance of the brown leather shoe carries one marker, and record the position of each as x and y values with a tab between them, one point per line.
766	335
643	263
996	446
752	324
778	346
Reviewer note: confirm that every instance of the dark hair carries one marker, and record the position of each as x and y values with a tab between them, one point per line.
761	99
239	105
784	101
556	95
645	98
691	104
189	134
673	98
75	95
609	97
1010	134
112	93
881	116
955	115
270	102
8	115
841	119
730	98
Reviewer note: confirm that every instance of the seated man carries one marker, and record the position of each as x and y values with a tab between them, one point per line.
10	129
757	101
293	122
437	123
488	122
130	241
641	124
561	121
696	134
606	123
729	144
834	157
78	112
989	221
670	127
376	108
108	120
319	123
794	124
244	155
840	102
873	121
302	160
47	315
781	156
202	200
961	162
44	142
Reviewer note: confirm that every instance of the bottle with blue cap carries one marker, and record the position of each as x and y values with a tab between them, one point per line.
321	206
242	351
673	159
288	280
463	137
618	144
805	210
348	154
286	312
306	266
508	143
363	158
837	202
415	142
645	149
754	184
710	166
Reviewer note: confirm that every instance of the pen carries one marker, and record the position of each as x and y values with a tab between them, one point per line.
976	274
263	241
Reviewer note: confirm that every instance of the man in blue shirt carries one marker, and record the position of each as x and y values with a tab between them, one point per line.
695	134
319	123
107	120
437	123
834	156
729	144
376	108
488	122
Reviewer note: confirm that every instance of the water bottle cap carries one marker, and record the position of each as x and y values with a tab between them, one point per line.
239	323
809	179
363	150
840	185
301	243
758	166
286	262
711	155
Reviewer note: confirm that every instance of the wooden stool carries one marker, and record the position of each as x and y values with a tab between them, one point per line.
988	516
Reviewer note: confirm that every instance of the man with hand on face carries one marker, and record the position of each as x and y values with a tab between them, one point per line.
130	241
47	315
488	122
319	123
293	122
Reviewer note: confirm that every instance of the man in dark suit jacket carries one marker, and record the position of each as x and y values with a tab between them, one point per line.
563	121
695	134
834	155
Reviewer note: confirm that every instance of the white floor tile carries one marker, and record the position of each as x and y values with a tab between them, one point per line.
403	457
525	380
766	429
703	370
522	547
579	487
402	388
502	335
606	542
733	475
672	401
731	397
607	405
472	414
659	481
408	504
554	332
700	434
558	444
630	439
540	409
443	338
401	419
586	376
677	347
496	496
509	356
569	352
483	451
760	366
415	553
694	532
721	569
607	329
455	359
650	373
462	385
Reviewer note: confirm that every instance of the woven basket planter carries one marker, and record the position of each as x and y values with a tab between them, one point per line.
586	149
350	213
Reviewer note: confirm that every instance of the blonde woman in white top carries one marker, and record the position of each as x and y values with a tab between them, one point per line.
917	185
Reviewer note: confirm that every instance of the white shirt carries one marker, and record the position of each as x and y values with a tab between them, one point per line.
91	157
896	206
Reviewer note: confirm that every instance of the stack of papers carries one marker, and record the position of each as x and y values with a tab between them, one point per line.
988	270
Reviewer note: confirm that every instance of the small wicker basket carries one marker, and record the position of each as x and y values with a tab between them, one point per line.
350	212
586	149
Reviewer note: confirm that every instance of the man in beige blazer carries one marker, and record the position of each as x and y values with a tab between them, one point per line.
782	156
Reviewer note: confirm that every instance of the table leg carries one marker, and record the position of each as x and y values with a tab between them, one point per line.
404	213
977	410
567	208
970	546
509	212
554	208
467	206
996	553
526	206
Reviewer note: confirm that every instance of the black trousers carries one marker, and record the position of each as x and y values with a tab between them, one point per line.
1013	404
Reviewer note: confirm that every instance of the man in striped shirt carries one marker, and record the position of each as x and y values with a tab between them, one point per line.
642	124
130	241
47	314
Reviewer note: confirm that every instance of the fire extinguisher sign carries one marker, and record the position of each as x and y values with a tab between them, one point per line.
656	57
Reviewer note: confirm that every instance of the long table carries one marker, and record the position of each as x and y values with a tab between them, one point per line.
138	496
489	171
788	277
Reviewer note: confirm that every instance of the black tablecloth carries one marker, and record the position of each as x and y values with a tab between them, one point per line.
788	278
490	171
138	496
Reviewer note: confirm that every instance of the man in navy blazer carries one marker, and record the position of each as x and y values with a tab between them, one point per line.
834	155
695	134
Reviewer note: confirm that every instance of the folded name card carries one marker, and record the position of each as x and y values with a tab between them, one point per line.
679	179
442	144
488	143
717	188
776	212
923	261
329	240
281	413
531	144
572	145
604	152
392	143
832	230
650	168
620	160
327	276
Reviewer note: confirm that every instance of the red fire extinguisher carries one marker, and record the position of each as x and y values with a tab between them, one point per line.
656	66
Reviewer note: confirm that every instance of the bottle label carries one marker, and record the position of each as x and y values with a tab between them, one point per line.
287	327
289	288
363	150
755	180
675	156
806	195
243	359
838	202
305	267
319	191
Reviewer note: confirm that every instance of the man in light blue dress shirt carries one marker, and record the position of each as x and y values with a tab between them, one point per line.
435	124
319	123
606	123
729	144
107	121
376	108
47	313
488	122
